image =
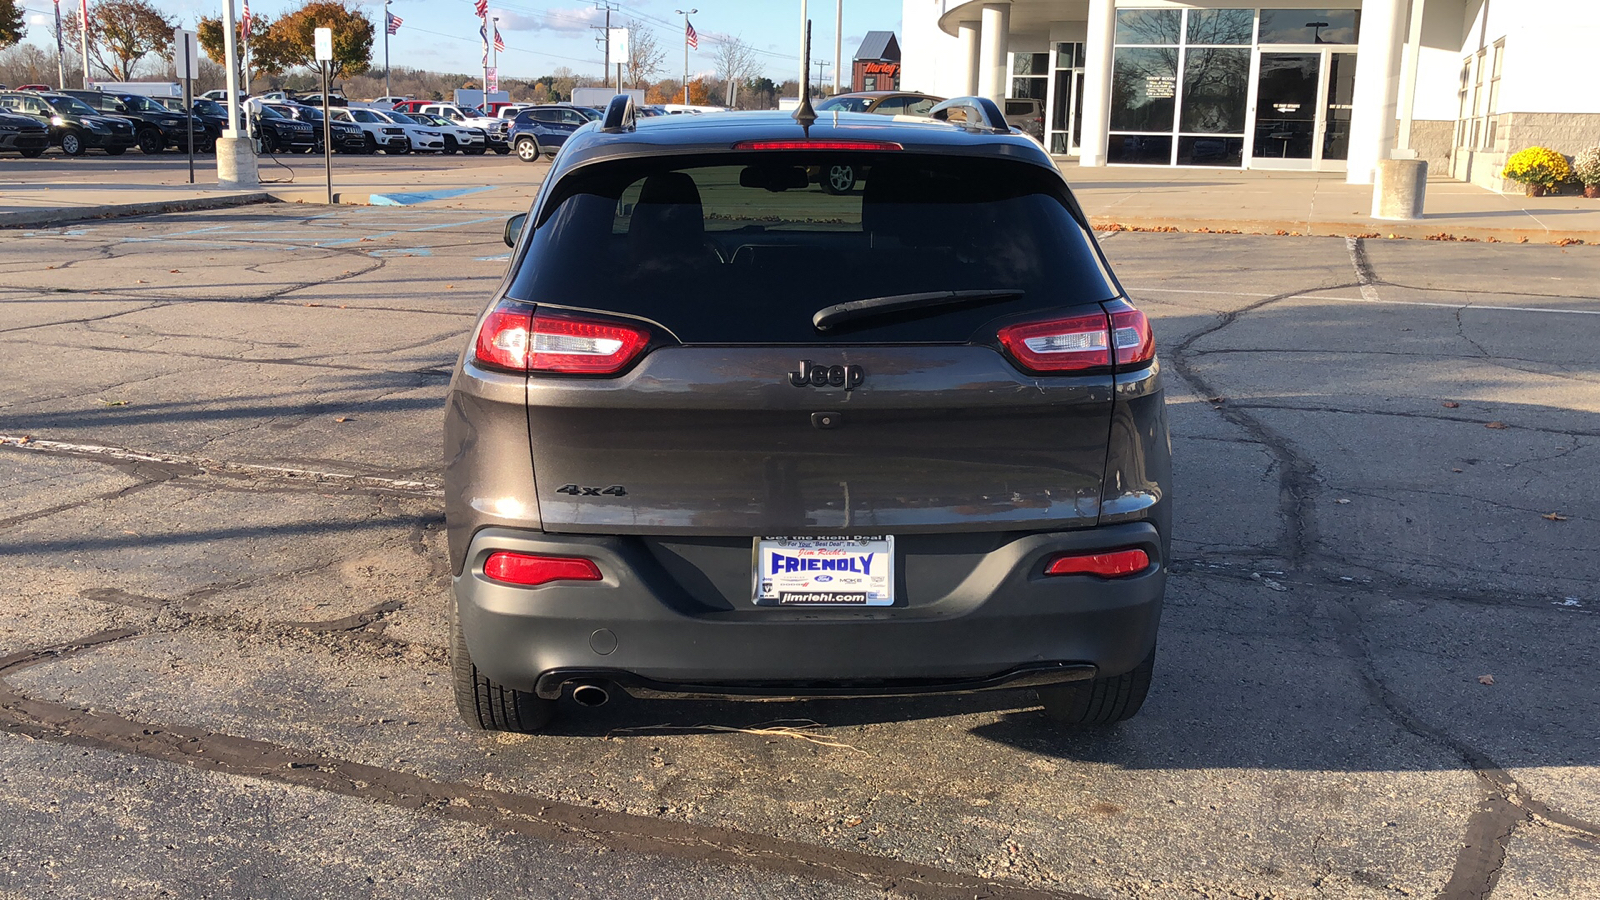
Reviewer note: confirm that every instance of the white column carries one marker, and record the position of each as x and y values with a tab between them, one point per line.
1378	52
1096	113
968	33
1408	77
230	57
992	51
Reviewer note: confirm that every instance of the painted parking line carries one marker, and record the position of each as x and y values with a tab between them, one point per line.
415	197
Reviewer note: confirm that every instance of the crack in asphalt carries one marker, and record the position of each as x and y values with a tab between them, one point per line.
1506	804
541	819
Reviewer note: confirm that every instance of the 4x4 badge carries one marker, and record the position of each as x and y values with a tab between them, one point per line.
813	375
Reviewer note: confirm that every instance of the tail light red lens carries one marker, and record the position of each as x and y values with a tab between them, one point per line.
1059	345
531	571
514	340
583	346
1115	564
1131	335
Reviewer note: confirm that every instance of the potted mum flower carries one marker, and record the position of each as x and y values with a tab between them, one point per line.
1540	168
1586	168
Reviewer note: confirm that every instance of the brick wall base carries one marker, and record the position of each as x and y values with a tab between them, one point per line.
1568	133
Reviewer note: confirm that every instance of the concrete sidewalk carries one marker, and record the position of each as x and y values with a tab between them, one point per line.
1136	198
1261	202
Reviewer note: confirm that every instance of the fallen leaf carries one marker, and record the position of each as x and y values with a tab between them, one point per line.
1486	679
1497	425
449	287
173	271
853	821
1457	471
1216	399
1451	404
1342	501
1555	517
115	402
342	419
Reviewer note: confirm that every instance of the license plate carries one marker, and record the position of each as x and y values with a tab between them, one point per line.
803	571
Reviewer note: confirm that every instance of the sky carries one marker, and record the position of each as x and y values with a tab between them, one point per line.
543	35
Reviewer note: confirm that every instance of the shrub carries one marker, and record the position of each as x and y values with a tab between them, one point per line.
1537	165
1586	166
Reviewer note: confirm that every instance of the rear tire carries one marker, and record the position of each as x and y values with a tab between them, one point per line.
369	144
151	141
116	151
502	150
450	146
33	153
839	179
1101	701
527	149
484	704
474	151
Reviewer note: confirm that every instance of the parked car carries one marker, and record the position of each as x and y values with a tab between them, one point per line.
378	133
424	138
963	484
33	87
74	126
543	129
411	106
334	99
280	134
1028	116
24	135
883	103
347	137
456	137
389	102
155	126
497	132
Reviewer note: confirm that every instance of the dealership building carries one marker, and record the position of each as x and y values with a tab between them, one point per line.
1298	84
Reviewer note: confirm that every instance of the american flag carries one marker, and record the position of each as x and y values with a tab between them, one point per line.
244	22
482	8
394	22
690	35
499	42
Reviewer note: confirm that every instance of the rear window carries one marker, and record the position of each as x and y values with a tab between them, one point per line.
745	248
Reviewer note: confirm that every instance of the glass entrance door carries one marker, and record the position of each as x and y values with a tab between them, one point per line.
1303	103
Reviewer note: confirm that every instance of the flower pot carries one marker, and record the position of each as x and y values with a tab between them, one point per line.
1537	190
1592	191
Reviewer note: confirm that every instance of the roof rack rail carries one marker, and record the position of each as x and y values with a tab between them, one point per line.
620	115
977	112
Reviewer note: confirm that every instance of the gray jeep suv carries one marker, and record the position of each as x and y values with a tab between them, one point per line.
724	433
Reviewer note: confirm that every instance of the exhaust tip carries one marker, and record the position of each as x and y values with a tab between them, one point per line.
590	695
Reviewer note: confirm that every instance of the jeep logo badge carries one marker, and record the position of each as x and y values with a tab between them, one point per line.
813	375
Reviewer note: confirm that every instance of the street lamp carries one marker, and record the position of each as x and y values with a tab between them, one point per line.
1316	35
686	13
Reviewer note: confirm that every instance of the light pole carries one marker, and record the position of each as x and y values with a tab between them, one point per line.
1316	31
686	13
838	43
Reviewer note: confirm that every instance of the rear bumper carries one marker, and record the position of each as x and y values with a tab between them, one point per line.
1003	625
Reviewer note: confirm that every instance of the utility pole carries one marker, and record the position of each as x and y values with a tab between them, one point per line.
686	13
83	39
605	34
822	77
838	43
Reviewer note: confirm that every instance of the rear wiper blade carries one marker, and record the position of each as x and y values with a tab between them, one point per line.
850	310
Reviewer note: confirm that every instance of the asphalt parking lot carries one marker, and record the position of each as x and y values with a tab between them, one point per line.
222	669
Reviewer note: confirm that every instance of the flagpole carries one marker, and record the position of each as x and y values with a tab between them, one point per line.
61	51
83	40
387	27
686	13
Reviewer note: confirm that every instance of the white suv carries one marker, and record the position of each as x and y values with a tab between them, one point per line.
381	133
494	129
1027	115
424	137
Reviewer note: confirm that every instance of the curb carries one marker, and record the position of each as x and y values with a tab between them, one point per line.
1372	228
120	210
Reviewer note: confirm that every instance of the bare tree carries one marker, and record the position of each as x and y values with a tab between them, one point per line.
645	54
736	62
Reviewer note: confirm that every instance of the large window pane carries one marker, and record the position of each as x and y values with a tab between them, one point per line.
1144	87
1030	63
1141	149
1309	26
1221	26
1148	26
1210	151
1216	87
1029	88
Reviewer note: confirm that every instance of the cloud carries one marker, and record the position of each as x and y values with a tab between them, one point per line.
571	20
41	20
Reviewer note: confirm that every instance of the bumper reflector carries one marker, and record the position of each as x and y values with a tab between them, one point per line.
532	571
1114	564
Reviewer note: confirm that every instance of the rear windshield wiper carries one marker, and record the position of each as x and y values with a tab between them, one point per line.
850	310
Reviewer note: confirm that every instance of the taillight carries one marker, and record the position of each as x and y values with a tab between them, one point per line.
514	340
1059	345
1115	564
531	571
503	339
583	346
1131	334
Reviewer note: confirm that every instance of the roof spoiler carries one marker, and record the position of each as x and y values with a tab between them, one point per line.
620	115
979	112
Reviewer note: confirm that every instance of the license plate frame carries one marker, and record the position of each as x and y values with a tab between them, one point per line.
859	573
